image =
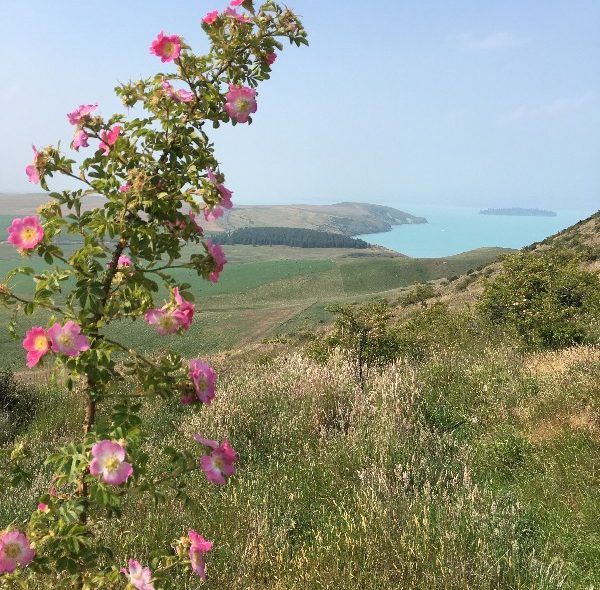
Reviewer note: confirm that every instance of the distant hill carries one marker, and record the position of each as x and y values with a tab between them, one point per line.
349	219
519	212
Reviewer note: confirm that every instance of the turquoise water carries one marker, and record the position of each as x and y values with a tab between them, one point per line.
452	230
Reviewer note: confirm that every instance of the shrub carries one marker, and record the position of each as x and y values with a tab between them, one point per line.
547	297
419	293
17	406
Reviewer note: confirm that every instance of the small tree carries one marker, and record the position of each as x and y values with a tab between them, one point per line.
547	297
157	171
364	334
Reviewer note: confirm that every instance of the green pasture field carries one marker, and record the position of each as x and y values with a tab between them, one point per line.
264	291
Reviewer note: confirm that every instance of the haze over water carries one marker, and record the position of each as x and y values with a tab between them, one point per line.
452	230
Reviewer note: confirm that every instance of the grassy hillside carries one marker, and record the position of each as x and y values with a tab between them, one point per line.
345	218
268	290
376	490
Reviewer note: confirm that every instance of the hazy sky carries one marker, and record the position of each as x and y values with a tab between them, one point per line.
470	102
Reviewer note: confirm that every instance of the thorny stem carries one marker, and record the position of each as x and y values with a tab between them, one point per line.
90	410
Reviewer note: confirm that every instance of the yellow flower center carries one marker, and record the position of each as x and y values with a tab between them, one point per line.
167	322
12	550
169	48
242	104
28	234
41	343
112	464
66	340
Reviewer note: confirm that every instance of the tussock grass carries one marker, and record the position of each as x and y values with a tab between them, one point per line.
433	477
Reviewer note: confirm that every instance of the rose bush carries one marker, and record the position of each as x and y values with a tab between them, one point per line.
157	172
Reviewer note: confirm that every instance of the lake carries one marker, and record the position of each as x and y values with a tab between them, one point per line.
452	230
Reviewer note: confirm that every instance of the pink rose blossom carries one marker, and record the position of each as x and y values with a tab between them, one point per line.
173	317
68	339
199	546
32	171
80	140
124	188
109	463
25	233
180	95
109	138
124	262
43	507
80	112
213	213
241	103
225	193
216	253
204	378
195	223
185	309
220	464
211	17
242	18
165	321
37	344
167	48
236	2
139	577
15	551
271	57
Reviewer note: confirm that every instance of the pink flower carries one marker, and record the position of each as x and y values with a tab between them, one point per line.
172	317
180	95
80	140
25	233
271	57
37	344
124	188
80	112
124	262
204	378
242	18
236	2
211	17
165	321
139	577
32	171
219	465
199	546
225	193
15	551
241	102
185	310
167	48
109	138
43	507
216	253
109	463
68	339
213	213
195	223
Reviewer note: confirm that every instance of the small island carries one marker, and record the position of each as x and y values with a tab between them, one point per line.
519	212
